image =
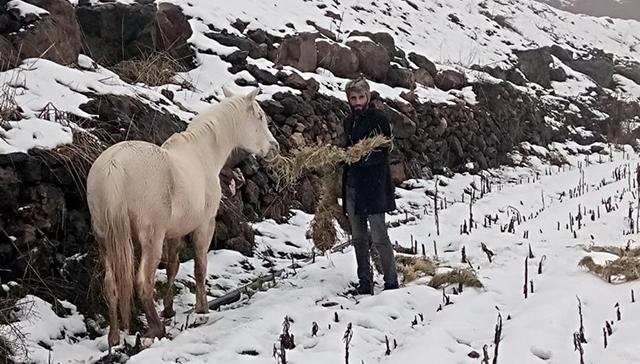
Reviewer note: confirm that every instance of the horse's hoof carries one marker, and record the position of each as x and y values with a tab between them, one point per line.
155	332
168	313
204	309
113	338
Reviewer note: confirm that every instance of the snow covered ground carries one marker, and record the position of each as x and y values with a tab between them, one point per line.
540	327
536	330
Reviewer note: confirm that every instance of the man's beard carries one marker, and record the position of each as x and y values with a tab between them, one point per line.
358	111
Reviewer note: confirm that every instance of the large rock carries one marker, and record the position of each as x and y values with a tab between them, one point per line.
401	126
253	49
562	54
558	74
450	79
535	64
599	67
340	60
515	75
9	191
423	77
10	21
54	36
113	32
47	215
172	32
383	39
630	70
400	77
122	118
8	55
423	62
374	59
299	51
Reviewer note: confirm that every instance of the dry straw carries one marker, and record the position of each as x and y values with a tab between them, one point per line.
466	277
9	110
153	69
323	231
623	269
414	267
326	159
288	169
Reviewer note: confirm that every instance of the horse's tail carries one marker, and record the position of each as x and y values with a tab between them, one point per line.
117	241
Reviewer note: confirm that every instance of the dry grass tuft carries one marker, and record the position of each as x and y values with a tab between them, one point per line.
414	267
623	269
12	340
289	169
153	69
616	250
9	109
557	159
456	276
323	230
78	156
325	159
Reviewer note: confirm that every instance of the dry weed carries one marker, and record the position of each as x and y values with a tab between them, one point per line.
153	69
323	229
623	269
289	169
12	340
466	276
9	109
414	267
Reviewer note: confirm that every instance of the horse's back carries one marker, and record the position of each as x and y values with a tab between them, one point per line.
133	172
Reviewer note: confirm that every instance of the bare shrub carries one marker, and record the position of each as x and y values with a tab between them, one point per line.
466	277
153	69
9	109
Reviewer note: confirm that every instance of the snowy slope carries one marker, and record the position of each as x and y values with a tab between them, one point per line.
540	326
452	33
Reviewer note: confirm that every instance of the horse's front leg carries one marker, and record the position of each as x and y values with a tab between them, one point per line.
173	263
201	241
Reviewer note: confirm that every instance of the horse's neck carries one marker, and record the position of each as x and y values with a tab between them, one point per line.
209	140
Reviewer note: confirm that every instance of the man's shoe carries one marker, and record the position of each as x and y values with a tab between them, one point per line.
391	286
364	289
360	290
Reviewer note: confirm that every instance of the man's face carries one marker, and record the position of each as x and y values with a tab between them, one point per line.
358	100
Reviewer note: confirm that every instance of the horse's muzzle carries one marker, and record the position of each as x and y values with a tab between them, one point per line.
273	152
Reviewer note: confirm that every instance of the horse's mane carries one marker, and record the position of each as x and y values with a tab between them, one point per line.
207	123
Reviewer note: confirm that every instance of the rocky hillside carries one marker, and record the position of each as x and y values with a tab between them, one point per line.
465	86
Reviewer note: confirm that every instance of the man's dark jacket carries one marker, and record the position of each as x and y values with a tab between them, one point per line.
374	190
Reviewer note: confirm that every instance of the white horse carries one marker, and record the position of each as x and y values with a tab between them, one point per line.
155	195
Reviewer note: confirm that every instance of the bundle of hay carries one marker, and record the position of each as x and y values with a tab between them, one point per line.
327	160
323	232
623	269
466	277
327	157
414	267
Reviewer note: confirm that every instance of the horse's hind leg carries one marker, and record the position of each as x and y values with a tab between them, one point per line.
111	292
173	248
201	241
150	256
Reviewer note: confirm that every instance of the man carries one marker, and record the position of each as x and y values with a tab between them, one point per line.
367	190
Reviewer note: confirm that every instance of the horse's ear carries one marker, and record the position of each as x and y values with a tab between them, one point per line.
227	92
252	95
